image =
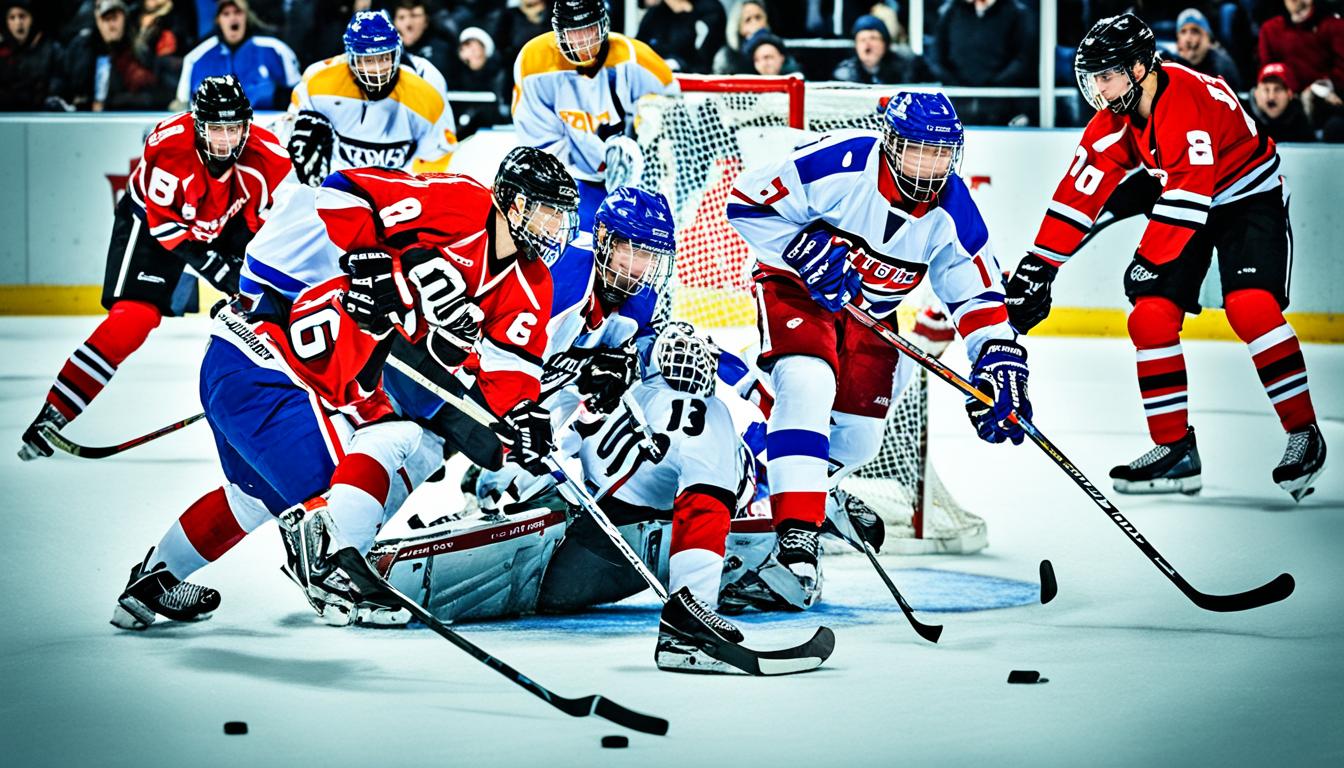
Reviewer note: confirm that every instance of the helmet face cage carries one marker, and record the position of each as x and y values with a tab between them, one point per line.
220	111
921	168
540	230
625	268
1127	102
373	50
372	70
208	135
580	45
687	362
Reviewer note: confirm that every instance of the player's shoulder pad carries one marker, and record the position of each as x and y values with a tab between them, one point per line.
262	140
967	222
630	49
541	55
418	95
171	134
841	152
331	77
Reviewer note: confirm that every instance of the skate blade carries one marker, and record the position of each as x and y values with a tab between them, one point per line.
1300	488
382	617
692	662
31	452
1186	485
131	618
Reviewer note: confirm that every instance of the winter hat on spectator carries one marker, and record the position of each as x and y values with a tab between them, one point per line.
26	5
239	4
763	37
870	22
1276	71
105	7
480	36
1193	16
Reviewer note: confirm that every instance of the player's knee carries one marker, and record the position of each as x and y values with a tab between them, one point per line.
390	443
127	326
1252	312
1155	322
804	378
248	510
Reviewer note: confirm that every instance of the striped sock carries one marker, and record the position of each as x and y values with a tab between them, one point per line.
89	370
1155	327
797	440
209	528
1277	354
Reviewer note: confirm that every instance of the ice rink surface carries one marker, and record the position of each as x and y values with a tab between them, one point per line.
1137	674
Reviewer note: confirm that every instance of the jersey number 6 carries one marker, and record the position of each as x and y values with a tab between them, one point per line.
314	335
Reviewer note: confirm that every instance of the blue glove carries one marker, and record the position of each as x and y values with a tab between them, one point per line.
820	258
1001	373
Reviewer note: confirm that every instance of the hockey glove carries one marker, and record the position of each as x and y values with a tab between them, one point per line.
821	259
526	432
1001	373
622	162
1142	277
311	144
221	269
372	300
605	378
1028	292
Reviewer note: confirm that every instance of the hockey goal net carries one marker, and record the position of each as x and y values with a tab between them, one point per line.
695	144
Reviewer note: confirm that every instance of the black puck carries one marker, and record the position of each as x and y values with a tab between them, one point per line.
1026	676
1049	587
235	728
616	742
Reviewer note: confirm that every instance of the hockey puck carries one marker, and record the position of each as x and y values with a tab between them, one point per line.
1026	676
1049	587
615	742
235	728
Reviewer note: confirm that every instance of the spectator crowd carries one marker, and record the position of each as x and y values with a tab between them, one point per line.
1287	56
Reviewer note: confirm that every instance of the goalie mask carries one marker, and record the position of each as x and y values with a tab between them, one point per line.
581	28
688	363
373	52
223	118
1105	62
540	202
922	142
633	244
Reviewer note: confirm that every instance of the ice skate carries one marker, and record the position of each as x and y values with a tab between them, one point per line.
1168	468
689	633
35	446
157	592
1303	461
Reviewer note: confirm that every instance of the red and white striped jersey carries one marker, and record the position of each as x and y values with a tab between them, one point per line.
179	199
452	215
1198	142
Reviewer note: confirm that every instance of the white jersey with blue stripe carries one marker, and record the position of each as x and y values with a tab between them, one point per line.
837	181
292	250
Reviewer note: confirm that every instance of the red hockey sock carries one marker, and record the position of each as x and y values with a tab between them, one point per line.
1155	329
210	526
95	362
1255	316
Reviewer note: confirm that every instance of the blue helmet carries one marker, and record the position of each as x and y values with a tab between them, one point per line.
634	240
923	142
370	34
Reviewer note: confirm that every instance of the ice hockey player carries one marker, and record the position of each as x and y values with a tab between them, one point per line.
204	184
272	373
373	106
860	217
1220	189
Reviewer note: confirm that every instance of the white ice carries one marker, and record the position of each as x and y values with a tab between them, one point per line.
1137	674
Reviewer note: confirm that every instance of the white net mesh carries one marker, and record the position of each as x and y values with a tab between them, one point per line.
695	144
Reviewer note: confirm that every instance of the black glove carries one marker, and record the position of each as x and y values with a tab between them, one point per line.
372	300
1141	276
608	373
1028	292
1001	373
526	432
221	269
311	144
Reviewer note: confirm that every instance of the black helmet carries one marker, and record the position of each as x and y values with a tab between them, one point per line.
573	15
1114	43
220	101
527	180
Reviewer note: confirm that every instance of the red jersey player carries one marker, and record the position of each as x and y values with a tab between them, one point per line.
203	186
1220	189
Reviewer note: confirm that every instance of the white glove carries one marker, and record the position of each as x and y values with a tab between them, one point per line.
623	162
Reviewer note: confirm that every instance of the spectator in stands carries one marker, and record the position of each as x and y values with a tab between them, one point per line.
1198	50
161	36
1276	109
768	55
744	19
517	26
411	18
28	61
267	68
686	33
478	70
102	70
1310	42
986	43
875	61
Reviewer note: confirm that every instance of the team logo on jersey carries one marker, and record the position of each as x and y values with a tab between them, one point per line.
361	154
583	121
884	277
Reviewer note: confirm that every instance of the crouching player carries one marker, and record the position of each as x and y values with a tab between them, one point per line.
860	217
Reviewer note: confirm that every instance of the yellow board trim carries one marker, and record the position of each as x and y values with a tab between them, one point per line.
70	299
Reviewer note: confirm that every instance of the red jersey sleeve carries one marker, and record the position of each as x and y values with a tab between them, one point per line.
158	183
1105	155
514	335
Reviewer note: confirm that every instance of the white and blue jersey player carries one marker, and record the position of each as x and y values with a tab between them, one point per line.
861	217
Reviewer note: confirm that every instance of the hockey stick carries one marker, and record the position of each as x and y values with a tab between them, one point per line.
1277	589
102	452
930	632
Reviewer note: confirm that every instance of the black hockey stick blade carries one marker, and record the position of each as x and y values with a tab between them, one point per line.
785	661
930	632
375	587
1277	589
63	443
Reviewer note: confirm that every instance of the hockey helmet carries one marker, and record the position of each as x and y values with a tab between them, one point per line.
581	28
633	243
1111	49
922	142
540	201
373	51
687	362
223	118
